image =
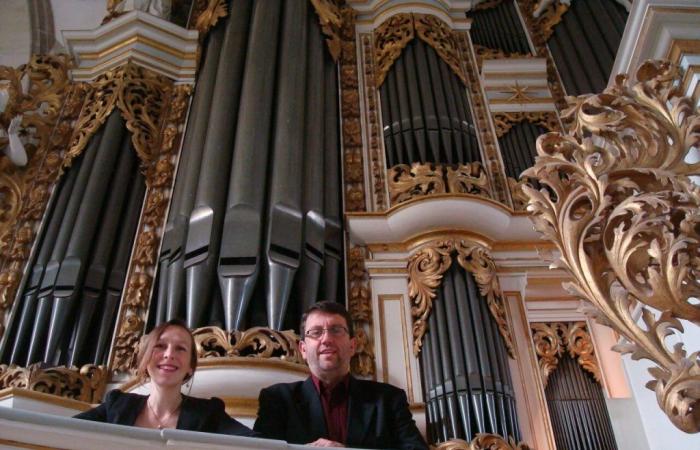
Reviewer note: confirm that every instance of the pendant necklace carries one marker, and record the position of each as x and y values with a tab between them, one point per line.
153	411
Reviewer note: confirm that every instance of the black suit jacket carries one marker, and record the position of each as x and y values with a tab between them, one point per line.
196	414
378	415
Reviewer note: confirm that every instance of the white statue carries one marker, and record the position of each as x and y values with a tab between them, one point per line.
160	8
15	148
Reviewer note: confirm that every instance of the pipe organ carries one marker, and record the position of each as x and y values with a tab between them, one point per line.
234	167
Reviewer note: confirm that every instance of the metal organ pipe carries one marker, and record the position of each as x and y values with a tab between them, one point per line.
206	224
284	221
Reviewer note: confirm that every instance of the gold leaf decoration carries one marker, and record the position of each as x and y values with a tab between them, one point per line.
331	21
439	36
425	271
483	441
390	38
48	108
353	166
517	194
85	384
158	96
623	213
548	347
206	13
483	53
360	309
257	342
476	259
504	121
468	178
406	182
580	346
547	14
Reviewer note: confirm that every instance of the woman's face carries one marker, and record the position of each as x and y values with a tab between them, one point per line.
170	359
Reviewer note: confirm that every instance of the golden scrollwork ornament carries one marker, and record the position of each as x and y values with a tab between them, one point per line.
406	182
469	178
425	270
257	342
619	205
548	347
483	441
85	384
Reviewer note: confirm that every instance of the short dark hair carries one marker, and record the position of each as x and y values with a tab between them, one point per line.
327	307
149	342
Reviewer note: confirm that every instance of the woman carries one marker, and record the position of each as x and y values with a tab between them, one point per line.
168	357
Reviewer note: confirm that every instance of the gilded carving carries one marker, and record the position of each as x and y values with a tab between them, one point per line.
580	346
552	339
360	308
85	384
257	342
331	21
425	270
487	140
483	441
547	14
468	178
42	95
374	130
548	347
517	194
476	259
623	213
406	182
353	166
206	13
483	53
158	165
392	36
504	121
539	39
439	36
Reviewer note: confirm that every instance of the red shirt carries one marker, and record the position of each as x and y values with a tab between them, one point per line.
335	408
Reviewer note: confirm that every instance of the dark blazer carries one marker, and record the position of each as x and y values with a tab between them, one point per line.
196	414
378	415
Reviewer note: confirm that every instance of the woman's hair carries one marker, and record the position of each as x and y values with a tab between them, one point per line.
149	342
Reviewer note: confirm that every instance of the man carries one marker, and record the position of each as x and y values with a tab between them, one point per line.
332	408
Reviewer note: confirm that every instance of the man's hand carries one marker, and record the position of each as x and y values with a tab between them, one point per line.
324	443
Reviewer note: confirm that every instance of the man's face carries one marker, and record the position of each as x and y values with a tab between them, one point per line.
328	356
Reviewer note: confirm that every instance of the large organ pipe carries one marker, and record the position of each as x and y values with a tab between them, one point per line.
417	122
445	360
429	108
314	221
36	343
29	300
441	109
332	202
239	265
117	273
398	79
484	397
284	221
72	270
171	289
206	220
96	274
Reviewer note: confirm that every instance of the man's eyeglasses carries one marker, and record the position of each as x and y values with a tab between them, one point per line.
334	331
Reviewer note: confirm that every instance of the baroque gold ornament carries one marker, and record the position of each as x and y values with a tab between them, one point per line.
394	34
548	347
406	182
257	342
159	122
468	178
360	309
206	13
504	121
618	204
85	384
40	93
483	441
331	21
